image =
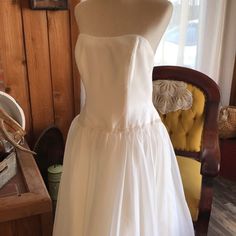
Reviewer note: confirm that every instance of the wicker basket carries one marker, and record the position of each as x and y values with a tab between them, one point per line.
227	122
8	168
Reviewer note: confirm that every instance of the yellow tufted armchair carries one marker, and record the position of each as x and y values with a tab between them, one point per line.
193	133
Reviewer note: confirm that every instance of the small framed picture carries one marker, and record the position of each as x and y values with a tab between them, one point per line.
49	4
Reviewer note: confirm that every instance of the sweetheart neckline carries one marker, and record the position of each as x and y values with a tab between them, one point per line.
120	36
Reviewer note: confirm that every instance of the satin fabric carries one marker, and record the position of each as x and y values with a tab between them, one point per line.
120	174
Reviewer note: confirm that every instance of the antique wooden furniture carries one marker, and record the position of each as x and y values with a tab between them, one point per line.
228	158
193	133
25	206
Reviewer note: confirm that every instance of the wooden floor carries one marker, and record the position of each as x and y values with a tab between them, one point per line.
223	216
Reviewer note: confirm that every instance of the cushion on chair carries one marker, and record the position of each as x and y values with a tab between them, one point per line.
185	127
191	178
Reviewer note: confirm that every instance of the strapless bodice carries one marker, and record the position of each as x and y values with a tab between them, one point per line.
117	76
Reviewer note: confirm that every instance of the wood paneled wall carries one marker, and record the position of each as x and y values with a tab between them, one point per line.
37	63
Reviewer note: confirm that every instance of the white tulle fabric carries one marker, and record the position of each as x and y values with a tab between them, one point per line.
169	96
120	175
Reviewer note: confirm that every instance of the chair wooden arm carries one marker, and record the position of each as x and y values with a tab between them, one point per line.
210	157
210	154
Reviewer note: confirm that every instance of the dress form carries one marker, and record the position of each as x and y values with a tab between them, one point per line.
147	18
120	174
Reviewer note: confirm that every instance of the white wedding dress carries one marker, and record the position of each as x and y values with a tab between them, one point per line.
120	174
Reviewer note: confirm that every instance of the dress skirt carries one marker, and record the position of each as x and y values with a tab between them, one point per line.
123	183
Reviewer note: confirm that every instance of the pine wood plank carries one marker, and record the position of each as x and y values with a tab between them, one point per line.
74	35
37	53
2	85
12	54
61	68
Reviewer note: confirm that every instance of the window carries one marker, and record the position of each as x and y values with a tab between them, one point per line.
202	35
179	44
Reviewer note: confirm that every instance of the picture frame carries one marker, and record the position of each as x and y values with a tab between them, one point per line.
49	4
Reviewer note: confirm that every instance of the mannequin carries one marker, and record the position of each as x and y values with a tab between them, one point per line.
109	18
120	175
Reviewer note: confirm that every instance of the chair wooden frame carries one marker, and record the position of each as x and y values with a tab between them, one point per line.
209	155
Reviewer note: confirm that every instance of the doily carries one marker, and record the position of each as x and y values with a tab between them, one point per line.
169	95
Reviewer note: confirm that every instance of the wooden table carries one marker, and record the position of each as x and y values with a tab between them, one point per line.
25	205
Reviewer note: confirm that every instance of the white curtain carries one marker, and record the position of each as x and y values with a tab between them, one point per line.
195	38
